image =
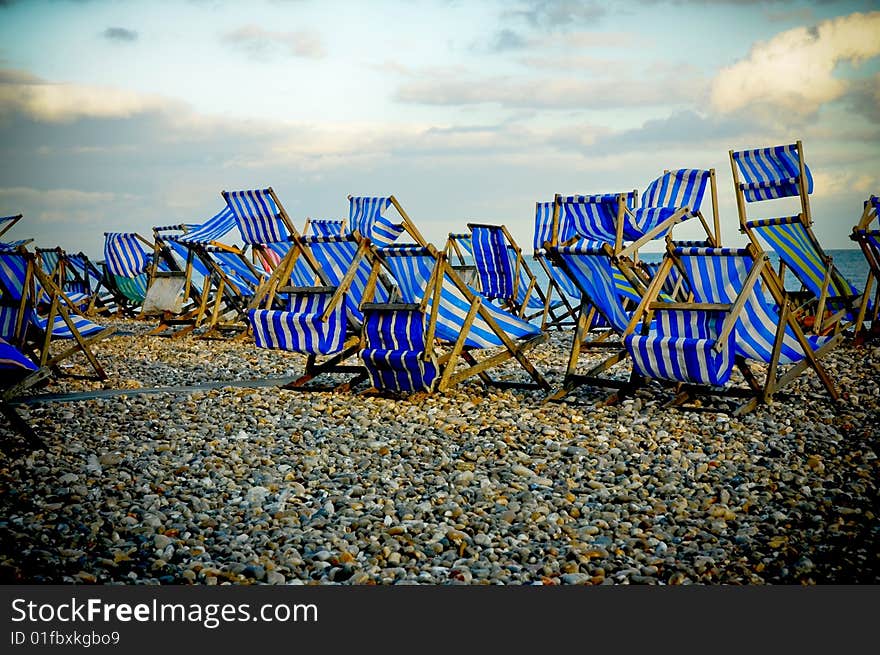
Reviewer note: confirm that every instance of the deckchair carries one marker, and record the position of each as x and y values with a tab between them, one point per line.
83	276
866	233
767	174
600	257
731	320
561	313
126	269
185	293
324	322
17	373
502	273
54	263
32	333
434	303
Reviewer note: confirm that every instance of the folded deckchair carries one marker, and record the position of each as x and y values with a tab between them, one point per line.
126	269
434	303
866	233
731	320
33	333
502	273
767	174
324	322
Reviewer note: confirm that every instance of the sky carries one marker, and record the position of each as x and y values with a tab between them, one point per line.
124	115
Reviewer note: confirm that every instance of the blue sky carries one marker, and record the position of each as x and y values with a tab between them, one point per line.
125	115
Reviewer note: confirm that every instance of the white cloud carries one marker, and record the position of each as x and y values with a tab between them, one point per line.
794	71
59	102
261	43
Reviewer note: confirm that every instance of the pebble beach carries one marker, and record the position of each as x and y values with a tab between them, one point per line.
249	484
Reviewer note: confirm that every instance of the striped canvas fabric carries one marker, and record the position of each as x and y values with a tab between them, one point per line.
593	274
257	215
213	229
14	245
667	194
683	346
594	217
769	173
716	275
302	274
365	217
182	252
300	329
60	329
335	256
492	261
325	227
544	226
793	244
8	319
124	255
133	288
235	269
12	358
395	352
411	268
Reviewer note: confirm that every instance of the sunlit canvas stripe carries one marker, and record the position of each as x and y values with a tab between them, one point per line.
124	255
213	229
365	217
257	216
237	270
769	173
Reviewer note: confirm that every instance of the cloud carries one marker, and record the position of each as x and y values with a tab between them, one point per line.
26	94
451	87
864	98
261	44
120	34
794	71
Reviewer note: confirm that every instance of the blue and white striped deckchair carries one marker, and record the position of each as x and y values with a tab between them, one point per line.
732	319
322	321
777	172
589	266
126	265
53	262
259	216
324	227
22	326
501	270
451	312
866	233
